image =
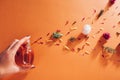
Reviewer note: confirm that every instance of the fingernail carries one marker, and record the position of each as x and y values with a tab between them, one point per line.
32	66
16	40
28	36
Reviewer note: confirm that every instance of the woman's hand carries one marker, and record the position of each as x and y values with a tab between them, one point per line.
7	58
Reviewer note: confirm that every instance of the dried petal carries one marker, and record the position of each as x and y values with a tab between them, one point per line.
88	43
83	19
57	44
66	47
87	52
67	33
78	49
117	34
66	23
61	40
48	34
74	23
73	28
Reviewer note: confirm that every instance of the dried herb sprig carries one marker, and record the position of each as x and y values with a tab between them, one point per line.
57	35
109	50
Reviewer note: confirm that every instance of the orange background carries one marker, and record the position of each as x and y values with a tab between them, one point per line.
19	18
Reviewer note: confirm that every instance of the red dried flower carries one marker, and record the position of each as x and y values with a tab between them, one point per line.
58	31
112	1
106	36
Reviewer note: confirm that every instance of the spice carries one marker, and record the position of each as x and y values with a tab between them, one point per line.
40	43
94	11
83	47
74	23
36	40
87	52
48	34
58	31
57	44
48	41
83	19
117	34
66	47
93	36
68	33
104	19
73	28
118	14
119	23
78	49
101	29
73	49
60	40
78	38
66	23
72	39
114	26
102	23
100	14
88	43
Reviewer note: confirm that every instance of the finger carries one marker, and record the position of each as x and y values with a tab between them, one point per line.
19	43
27	67
12	45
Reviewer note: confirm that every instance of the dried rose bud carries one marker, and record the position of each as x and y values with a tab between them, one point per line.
112	1
106	35
58	31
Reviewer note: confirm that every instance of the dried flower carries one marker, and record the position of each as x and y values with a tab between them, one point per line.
112	1
58	31
57	35
106	36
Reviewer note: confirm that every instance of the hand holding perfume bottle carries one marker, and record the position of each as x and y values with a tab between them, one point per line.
17	57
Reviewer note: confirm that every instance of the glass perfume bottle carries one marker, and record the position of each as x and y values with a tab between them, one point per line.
25	56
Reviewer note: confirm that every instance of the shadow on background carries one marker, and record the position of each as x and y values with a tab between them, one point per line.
81	37
98	48
116	57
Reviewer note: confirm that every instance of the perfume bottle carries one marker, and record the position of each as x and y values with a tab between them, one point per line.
25	55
